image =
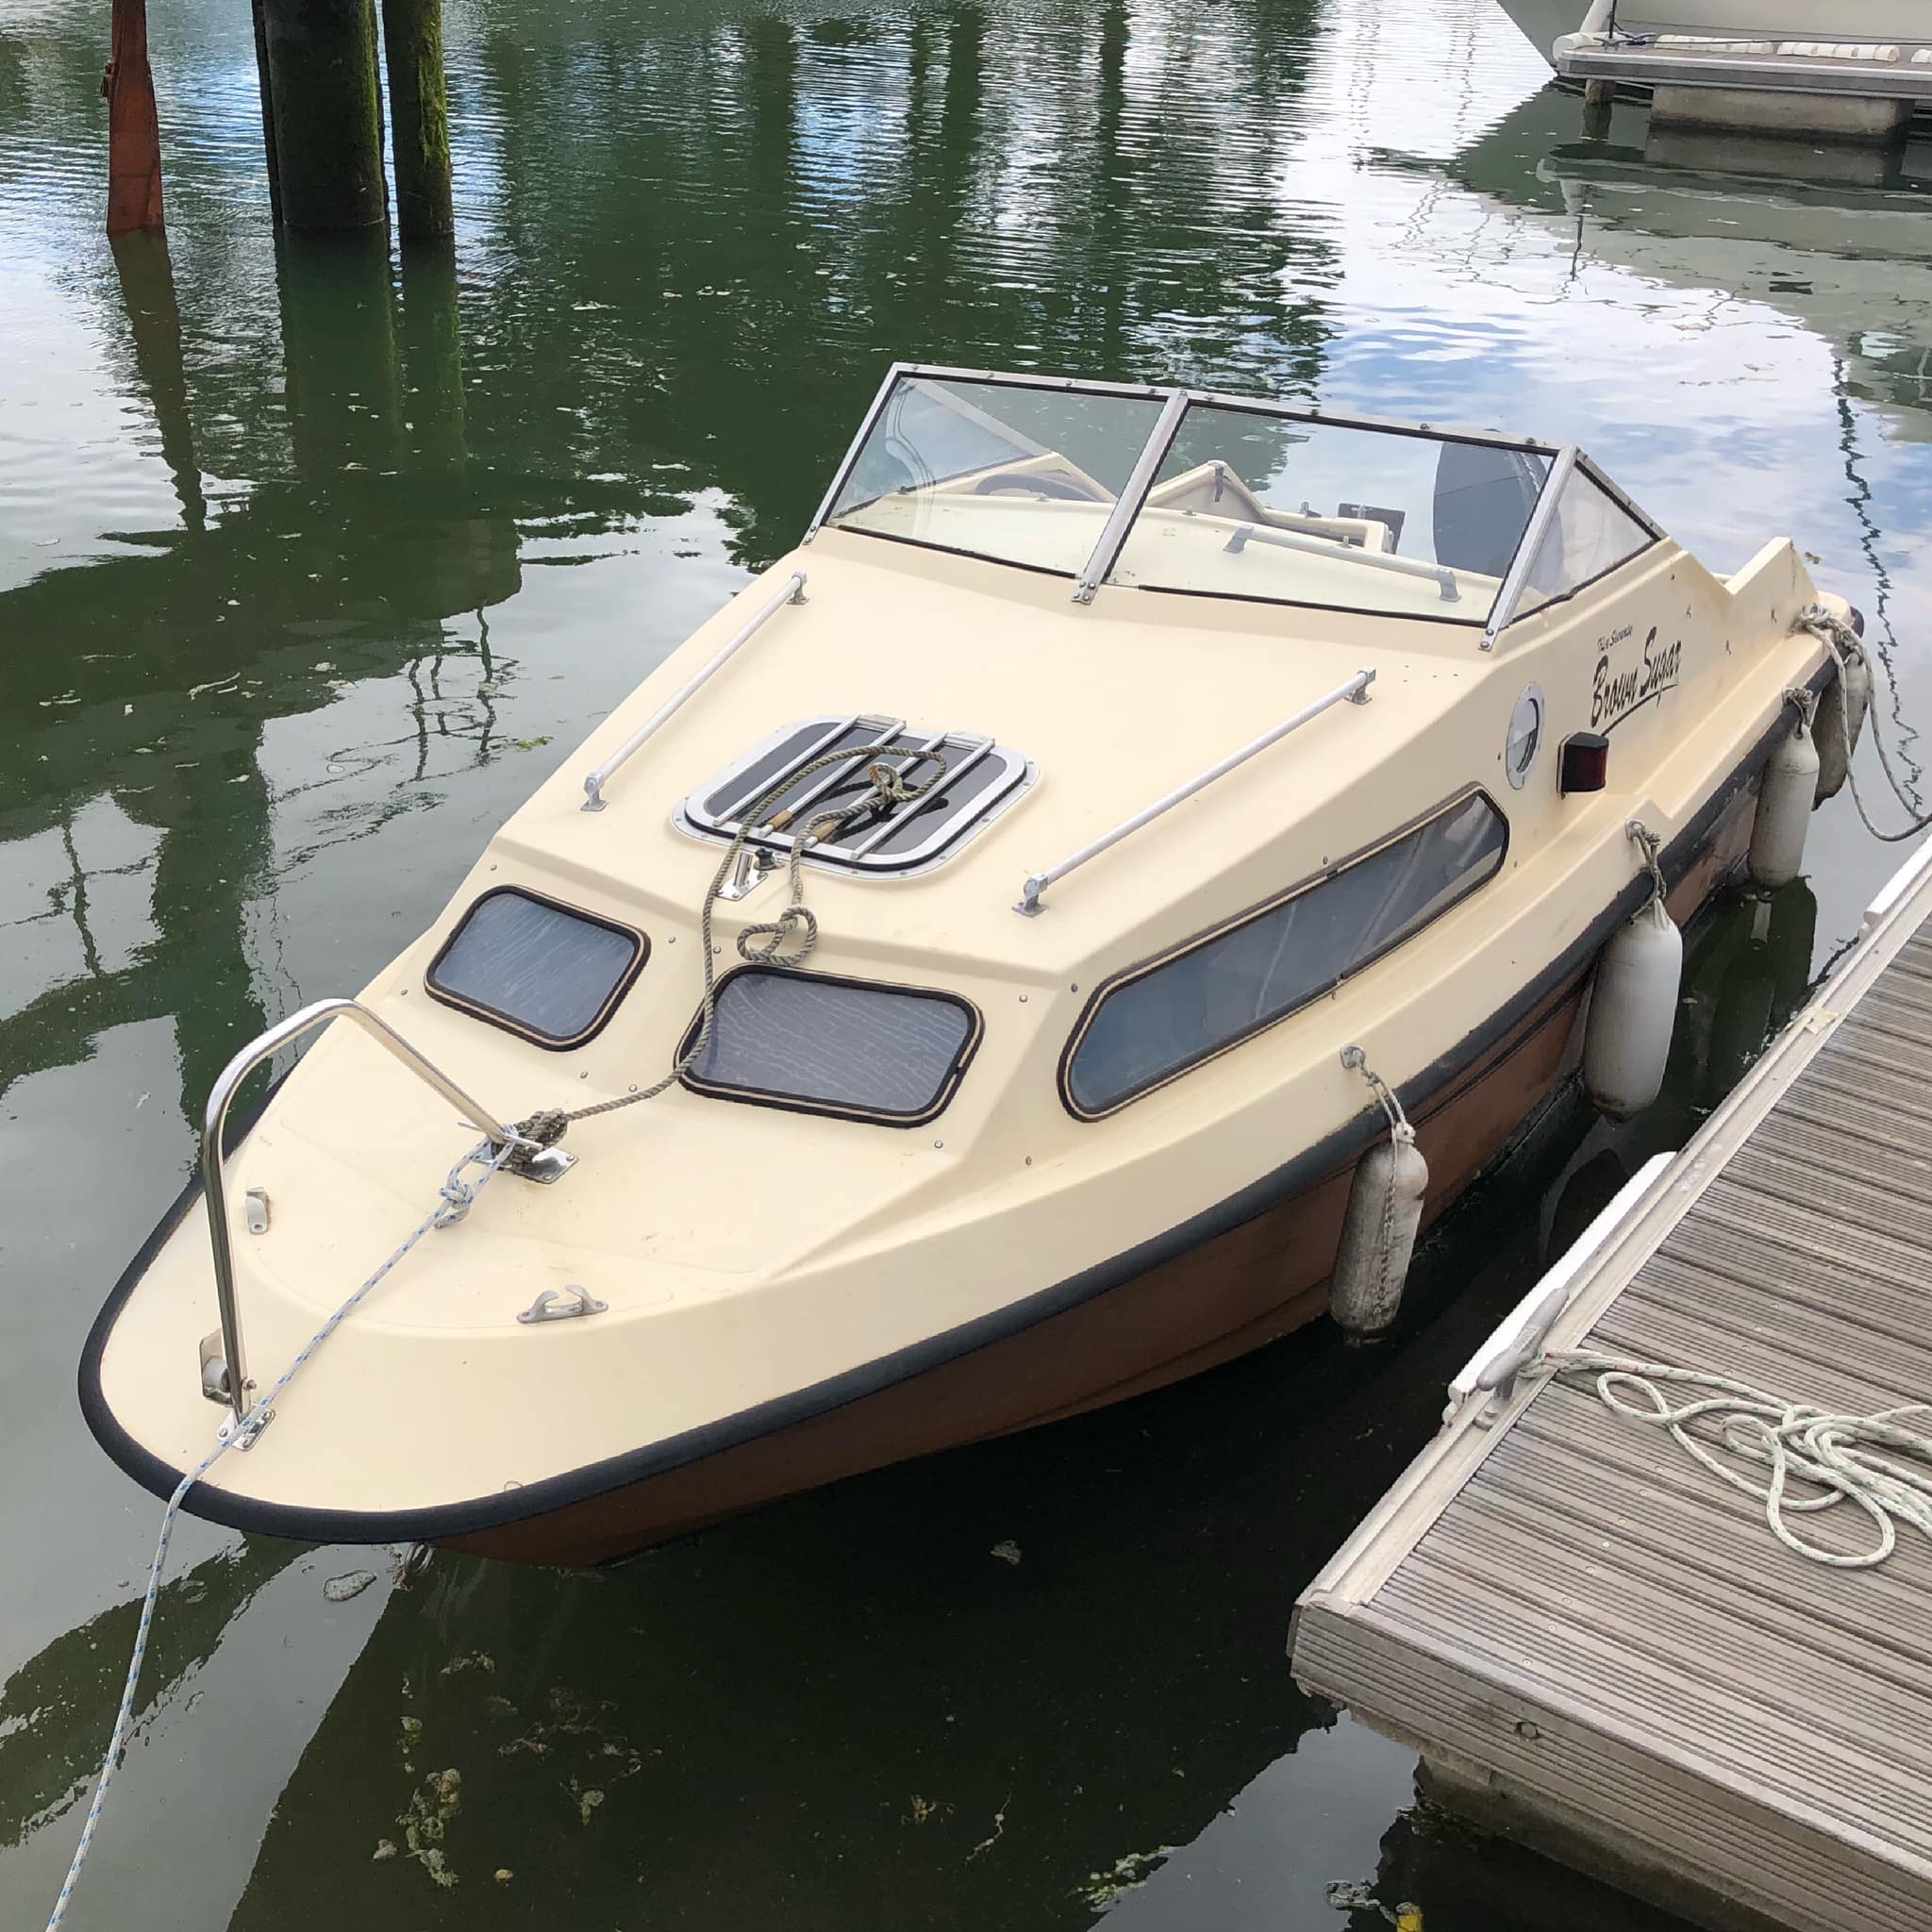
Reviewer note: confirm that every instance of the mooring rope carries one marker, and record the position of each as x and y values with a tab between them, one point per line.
1837	1452
1847	646
453	1199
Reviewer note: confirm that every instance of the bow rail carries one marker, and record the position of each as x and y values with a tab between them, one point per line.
225	1379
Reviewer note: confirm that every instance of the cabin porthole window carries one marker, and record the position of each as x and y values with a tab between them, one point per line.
1154	1023
1525	736
543	970
816	1043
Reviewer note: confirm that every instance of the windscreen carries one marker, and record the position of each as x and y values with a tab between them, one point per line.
1287	510
1589	534
998	469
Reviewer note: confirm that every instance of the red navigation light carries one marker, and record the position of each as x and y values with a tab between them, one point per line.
1585	765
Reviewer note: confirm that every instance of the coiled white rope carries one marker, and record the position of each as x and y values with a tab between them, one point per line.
453	1202
1835	1452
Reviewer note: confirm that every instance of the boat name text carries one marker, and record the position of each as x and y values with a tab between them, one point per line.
1616	693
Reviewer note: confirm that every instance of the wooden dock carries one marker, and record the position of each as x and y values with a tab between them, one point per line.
1593	1642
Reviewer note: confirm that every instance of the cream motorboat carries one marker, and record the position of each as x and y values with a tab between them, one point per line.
1542	23
1150	748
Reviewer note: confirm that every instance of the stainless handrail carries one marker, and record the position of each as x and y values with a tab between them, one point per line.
1126	506
1355	691
1516	578
791	593
262	1048
1326	547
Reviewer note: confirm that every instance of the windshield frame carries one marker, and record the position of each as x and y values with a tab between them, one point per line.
1180	401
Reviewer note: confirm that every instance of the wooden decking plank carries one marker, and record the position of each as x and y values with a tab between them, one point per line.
1876	1325
1872	1283
1661	1334
1609	1499
1632	1788
1863	1078
1846	1196
1894	1045
1763	1219
1732	1729
1776	1327
1914	958
1799	1133
1846	1109
1656	1620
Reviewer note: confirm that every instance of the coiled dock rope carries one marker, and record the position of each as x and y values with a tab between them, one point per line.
1837	1452
453	1202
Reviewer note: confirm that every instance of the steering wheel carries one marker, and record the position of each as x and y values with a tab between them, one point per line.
1025	483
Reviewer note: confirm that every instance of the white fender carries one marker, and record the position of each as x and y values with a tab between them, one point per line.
1633	1012
1785	794
1384	1209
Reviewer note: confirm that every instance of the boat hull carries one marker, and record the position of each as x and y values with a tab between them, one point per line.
1238	1273
1236	1292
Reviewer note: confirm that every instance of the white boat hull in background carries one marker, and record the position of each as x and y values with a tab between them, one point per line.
1544	21
1804	20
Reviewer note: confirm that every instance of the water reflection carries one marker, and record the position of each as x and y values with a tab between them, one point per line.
307	554
50	1708
359	544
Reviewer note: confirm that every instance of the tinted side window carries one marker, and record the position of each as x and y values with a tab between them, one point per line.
1185	1009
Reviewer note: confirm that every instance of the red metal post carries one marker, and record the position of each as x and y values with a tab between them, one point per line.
134	135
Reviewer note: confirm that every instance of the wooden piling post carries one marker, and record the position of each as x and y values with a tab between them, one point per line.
1599	97
134	134
419	118
327	124
266	89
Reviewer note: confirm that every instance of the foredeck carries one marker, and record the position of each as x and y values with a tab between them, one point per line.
1593	1638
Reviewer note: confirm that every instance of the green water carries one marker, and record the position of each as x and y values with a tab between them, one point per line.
311	564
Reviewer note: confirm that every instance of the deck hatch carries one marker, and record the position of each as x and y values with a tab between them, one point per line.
982	779
821	1044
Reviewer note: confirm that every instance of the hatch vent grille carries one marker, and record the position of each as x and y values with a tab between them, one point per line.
982	779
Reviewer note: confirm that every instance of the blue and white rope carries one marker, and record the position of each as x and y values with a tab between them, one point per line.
453	1199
